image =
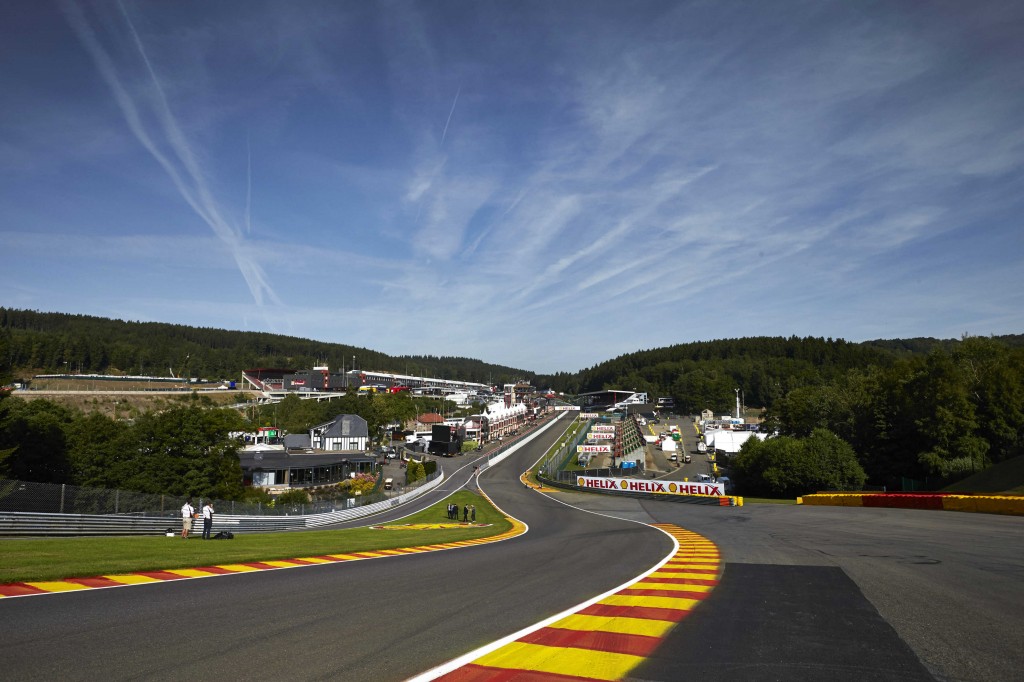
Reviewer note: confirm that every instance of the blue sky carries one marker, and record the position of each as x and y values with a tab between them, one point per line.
545	185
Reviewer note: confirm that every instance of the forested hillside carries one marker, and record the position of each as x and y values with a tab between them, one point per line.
850	413
36	343
880	412
705	374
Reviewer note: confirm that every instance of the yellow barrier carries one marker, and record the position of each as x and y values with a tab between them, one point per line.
985	504
832	500
961	503
1000	505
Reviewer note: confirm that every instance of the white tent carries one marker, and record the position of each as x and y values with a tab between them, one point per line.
728	441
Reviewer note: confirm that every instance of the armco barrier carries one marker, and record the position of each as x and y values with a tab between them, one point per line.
31	524
35	524
986	504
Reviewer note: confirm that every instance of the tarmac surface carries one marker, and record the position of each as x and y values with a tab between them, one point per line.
805	593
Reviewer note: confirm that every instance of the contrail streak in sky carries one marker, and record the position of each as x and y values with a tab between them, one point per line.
445	133
178	161
248	186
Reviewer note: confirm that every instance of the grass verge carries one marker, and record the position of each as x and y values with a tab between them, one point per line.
35	559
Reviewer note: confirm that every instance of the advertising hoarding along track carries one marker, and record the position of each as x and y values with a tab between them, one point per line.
636	485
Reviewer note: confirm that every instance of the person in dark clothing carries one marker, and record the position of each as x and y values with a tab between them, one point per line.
465	513
207	519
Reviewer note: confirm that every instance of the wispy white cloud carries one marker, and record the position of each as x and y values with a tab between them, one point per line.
179	161
812	165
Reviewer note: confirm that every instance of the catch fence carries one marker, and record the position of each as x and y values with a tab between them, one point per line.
57	498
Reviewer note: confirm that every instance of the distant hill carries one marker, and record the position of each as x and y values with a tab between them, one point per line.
922	345
697	375
1005	477
706	374
36	343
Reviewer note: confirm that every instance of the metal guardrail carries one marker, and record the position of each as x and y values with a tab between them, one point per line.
58	498
34	524
40	524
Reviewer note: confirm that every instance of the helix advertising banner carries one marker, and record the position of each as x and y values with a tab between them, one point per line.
637	485
603	427
593	448
601	435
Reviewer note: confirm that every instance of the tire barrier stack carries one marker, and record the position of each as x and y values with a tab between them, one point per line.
985	504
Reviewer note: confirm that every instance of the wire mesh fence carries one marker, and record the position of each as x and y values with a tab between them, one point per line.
56	498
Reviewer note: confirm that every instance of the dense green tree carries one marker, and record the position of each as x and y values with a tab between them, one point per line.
292	414
944	419
786	466
186	451
33	445
414	471
994	378
98	450
835	406
256	495
293	496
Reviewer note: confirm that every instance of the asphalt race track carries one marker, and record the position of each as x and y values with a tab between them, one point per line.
846	594
807	593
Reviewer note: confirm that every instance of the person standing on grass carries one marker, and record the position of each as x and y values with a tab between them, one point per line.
207	519
187	512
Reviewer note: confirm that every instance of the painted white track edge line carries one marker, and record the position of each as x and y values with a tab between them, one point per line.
468	658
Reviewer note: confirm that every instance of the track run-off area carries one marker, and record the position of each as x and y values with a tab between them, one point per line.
598	587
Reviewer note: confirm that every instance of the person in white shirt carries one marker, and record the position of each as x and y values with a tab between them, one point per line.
187	512
207	519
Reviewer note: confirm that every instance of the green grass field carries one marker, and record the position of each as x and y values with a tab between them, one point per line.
1006	478
35	559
